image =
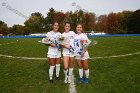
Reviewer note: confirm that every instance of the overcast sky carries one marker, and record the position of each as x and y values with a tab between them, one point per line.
24	8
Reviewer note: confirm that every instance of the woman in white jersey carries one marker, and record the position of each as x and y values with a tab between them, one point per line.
53	52
81	56
68	52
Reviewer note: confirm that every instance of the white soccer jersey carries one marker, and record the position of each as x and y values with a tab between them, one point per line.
69	38
54	37
78	45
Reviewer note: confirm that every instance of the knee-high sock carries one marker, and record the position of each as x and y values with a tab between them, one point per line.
70	71
87	73
66	72
57	70
81	73
51	72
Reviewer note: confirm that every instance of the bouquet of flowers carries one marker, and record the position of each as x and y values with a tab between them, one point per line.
71	49
60	40
85	44
65	41
47	40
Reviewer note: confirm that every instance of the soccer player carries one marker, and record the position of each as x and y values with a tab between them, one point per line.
68	52
53	52
81	55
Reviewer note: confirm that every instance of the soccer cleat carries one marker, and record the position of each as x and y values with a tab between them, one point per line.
86	80
57	78
69	79
80	80
51	81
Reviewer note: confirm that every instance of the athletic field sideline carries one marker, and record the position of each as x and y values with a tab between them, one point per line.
114	67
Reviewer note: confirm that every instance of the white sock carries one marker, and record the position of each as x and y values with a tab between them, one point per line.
57	70
87	73
66	76
66	72
70	71
81	73
51	72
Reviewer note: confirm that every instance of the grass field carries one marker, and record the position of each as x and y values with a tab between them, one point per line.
120	74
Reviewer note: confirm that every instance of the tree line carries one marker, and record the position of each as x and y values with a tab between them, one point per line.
112	23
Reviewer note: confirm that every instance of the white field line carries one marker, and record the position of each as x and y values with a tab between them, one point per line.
6	43
28	58
34	58
72	85
130	54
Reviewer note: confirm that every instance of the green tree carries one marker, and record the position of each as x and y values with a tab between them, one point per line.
48	21
71	17
17	30
135	23
3	28
124	21
35	23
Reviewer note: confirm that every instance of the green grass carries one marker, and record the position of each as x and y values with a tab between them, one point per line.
111	75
